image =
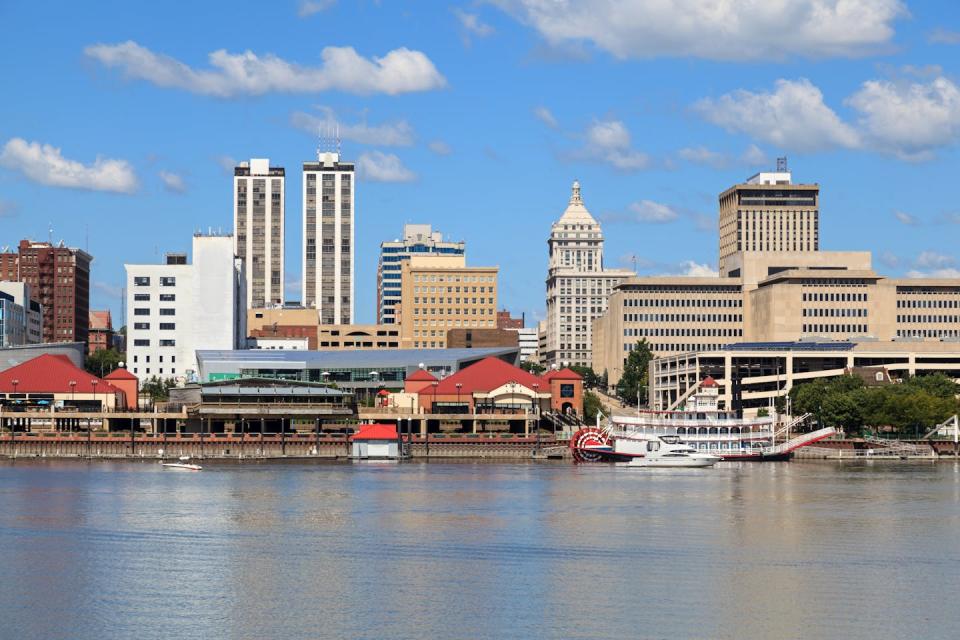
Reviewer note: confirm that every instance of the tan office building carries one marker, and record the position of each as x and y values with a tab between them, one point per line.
442	293
300	322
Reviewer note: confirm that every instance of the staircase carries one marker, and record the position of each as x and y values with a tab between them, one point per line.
898	447
801	440
793	424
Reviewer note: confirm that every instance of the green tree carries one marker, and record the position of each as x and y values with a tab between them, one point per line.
634	378
591	406
590	379
157	388
762	412
532	367
102	362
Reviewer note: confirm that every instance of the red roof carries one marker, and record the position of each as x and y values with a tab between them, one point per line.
120	374
100	321
421	375
375	432
51	374
709	382
486	375
562	374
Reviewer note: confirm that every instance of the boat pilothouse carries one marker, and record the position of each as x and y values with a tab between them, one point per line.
701	424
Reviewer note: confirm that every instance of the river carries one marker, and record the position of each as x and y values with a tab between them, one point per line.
100	550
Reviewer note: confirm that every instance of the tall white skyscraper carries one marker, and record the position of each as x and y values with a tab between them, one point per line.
577	284
258	221
328	240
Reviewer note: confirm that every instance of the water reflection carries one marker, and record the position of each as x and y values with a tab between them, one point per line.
477	550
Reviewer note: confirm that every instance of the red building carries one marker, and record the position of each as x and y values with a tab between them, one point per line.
504	321
60	280
55	380
101	331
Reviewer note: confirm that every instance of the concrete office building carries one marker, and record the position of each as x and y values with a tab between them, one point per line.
442	293
751	375
176	308
59	279
328	237
418	240
529	343
259	202
776	294
19	294
578	286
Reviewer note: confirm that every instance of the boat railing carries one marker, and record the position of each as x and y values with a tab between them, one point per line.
701	437
629	421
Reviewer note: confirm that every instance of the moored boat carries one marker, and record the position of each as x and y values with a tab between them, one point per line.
670	452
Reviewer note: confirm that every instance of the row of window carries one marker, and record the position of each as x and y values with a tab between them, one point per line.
834	313
423	277
835	328
683	302
928	319
439	311
160	358
173	371
452	290
164	326
928	333
928	304
834	297
145	342
145	297
664	332
682	317
165	311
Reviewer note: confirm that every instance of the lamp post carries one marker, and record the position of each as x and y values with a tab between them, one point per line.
13	428
93	383
426	422
73	388
536	413
459	386
374	376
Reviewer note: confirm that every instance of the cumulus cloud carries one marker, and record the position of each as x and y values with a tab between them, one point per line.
715	30
234	74
704	156
173	182
935	273
753	156
608	141
440	148
650	211
472	23
909	119
906	218
389	134
377	166
45	164
545	116
691	269
793	116
934	260
227	163
889	259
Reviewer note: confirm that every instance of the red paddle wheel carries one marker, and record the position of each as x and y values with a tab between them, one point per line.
584	440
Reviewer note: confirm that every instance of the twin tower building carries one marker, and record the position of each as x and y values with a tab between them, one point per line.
328	234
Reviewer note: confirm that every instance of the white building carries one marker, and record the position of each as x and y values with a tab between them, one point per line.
577	284
328	238
21	319
528	341
259	202
176	308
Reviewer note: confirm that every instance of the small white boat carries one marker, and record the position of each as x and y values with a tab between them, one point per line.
670	452
182	465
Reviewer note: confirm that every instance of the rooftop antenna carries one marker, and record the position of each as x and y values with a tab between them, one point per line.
782	164
319	140
50	232
338	139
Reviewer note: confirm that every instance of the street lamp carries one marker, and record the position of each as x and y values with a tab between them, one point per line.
459	386
93	383
73	388
13	429
536	413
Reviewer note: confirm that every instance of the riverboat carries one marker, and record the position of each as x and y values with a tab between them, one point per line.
701	425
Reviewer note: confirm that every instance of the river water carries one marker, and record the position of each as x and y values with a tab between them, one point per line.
105	550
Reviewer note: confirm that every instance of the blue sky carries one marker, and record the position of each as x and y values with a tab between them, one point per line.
476	117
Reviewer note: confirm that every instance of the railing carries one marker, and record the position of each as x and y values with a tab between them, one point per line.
800	441
792	424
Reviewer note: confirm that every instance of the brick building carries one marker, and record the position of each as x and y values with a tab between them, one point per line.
101	331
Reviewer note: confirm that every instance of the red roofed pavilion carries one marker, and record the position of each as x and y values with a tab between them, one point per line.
54	378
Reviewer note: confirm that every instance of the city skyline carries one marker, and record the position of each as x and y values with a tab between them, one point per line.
159	141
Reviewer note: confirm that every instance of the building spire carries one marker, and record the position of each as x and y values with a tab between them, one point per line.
575	196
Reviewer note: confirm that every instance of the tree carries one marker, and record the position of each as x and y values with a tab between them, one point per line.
532	367
102	362
762	412
590	379
591	406
634	378
157	388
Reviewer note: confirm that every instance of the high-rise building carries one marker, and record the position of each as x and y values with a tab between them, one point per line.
328	237
259	202
442	293
59	279
768	214
418	240
176	308
21	295
577	284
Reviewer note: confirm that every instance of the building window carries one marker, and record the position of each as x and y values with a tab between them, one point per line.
168	343
141	312
168	297
142	326
141	281
141	297
141	343
167	326
168	281
168	312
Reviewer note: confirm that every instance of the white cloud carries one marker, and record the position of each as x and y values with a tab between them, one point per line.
227	163
936	273
440	148
107	289
715	29
309	7
390	134
934	260
472	23
608	141
649	211
909	119
906	218
232	74
377	166
545	116
45	164
890	259
173	182
943	36
704	156
793	116
292	287
692	269
754	156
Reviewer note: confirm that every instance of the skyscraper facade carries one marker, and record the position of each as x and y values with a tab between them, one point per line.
328	237
259	202
418	240
577	284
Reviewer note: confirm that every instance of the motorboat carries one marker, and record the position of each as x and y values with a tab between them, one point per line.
671	452
182	464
